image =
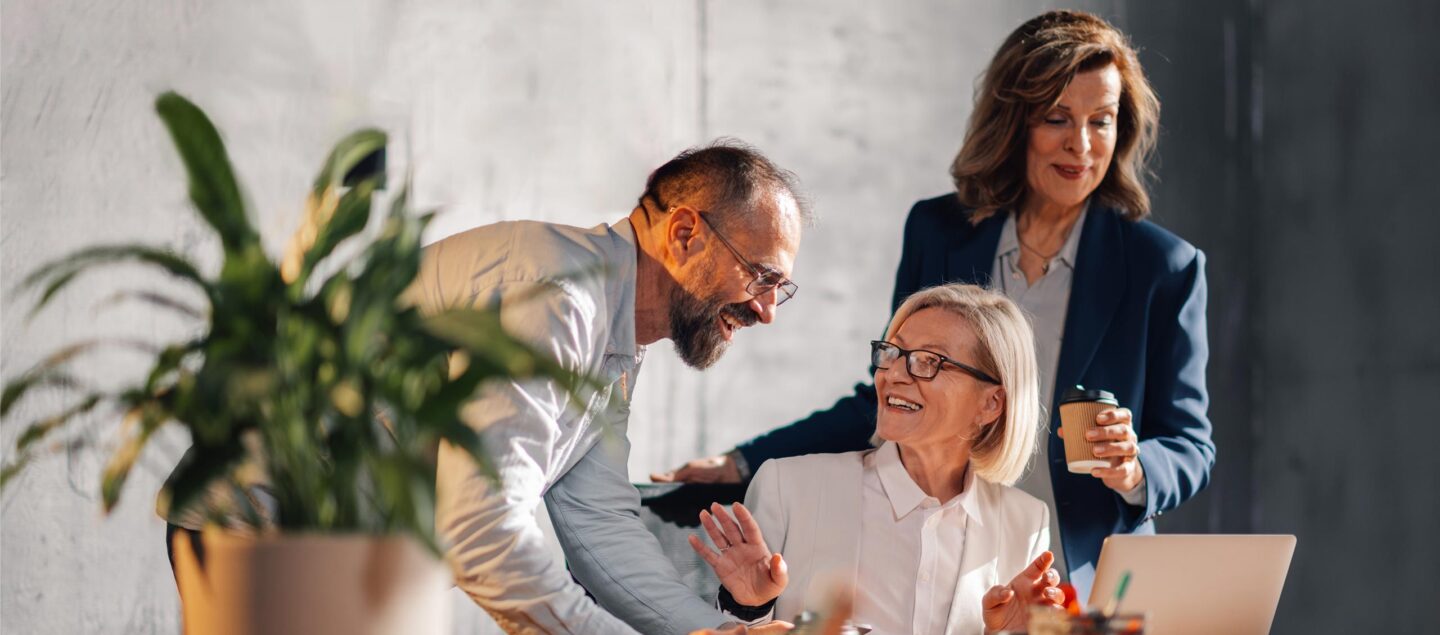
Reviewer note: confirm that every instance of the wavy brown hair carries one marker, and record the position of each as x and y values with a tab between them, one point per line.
1023	82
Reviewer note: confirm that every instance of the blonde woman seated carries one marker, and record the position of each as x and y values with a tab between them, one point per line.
925	528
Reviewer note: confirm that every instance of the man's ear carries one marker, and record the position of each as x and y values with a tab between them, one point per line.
681	234
993	407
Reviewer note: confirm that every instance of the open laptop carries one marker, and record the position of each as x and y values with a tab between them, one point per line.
1200	583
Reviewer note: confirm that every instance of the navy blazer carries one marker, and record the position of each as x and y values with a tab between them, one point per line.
1135	326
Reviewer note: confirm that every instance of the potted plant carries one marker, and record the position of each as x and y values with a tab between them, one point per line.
313	402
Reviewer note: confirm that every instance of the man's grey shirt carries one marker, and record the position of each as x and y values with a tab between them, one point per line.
571	293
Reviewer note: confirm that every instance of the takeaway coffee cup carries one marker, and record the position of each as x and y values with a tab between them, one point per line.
1078	409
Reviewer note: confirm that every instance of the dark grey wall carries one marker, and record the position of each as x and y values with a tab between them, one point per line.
1300	140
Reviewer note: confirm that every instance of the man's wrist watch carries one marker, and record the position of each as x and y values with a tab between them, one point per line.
741	466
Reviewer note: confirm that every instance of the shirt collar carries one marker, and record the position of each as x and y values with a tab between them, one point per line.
620	257
1072	242
905	496
1010	239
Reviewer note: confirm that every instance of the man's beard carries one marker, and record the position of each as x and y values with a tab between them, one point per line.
695	326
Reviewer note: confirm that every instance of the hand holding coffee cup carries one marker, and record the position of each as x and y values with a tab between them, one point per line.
1104	444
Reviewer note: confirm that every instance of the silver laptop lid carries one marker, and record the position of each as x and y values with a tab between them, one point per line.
1198	583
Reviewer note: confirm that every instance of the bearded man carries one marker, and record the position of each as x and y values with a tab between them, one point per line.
707	250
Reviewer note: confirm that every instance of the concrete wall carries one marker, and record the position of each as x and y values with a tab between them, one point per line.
1297	136
1291	139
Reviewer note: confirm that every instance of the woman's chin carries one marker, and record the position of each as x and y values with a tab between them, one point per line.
1066	193
891	430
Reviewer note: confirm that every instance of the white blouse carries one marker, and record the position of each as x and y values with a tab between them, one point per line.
910	548
914	564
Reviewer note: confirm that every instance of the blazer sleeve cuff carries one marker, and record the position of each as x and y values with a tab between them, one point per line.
750	615
1135	514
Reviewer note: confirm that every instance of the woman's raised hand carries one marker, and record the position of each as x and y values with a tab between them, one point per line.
1007	608
743	563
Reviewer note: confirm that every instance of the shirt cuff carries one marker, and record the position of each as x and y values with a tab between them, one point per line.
1136	496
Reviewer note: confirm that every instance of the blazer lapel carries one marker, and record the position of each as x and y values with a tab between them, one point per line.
971	259
837	532
1095	295
977	568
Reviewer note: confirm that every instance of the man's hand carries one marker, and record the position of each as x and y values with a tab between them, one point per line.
776	626
744	563
1007	608
835	616
714	469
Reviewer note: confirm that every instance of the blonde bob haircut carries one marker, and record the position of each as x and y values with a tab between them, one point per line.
1006	352
1023	82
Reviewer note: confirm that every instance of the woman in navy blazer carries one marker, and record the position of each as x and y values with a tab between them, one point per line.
1063	124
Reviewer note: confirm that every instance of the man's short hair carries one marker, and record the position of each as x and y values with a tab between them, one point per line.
726	177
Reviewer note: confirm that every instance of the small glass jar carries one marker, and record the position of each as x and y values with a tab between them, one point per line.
1046	620
1096	624
809	622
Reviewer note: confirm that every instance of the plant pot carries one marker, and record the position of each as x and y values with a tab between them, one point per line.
310	583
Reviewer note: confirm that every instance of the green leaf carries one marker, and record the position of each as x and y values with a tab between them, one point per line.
365	332
345	155
295	375
400	205
482	335
118	469
59	273
336	295
466	328
169	361
212	181
422	499
351	215
248	282
466	438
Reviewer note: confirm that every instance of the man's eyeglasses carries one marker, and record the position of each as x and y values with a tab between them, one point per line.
920	364
766	279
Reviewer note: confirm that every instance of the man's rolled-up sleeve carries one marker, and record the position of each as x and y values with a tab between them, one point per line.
596	513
